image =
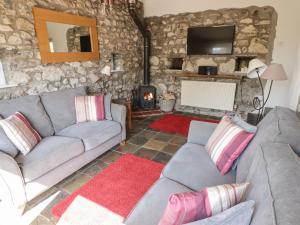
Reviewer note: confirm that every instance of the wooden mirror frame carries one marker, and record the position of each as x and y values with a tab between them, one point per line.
42	16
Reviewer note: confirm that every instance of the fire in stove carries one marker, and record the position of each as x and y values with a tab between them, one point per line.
148	96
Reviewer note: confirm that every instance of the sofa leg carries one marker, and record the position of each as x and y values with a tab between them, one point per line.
123	143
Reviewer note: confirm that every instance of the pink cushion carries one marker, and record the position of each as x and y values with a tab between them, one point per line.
227	143
89	108
188	207
20	132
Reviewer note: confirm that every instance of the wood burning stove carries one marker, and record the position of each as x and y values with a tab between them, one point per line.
147	96
147	93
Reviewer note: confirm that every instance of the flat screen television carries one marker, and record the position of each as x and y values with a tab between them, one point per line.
210	40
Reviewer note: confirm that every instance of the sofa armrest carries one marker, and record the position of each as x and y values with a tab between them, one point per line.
200	132
12	189
119	115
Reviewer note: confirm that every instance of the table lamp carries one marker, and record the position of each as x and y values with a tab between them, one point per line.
257	69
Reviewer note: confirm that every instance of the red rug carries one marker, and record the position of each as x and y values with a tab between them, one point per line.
118	187
176	124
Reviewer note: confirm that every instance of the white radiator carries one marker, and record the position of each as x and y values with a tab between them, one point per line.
212	95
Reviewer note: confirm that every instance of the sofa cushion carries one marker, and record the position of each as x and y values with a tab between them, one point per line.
151	207
50	153
107	106
32	108
278	113
240	214
227	143
274	185
280	125
188	207
92	134
200	132
60	106
19	130
264	134
89	108
289	133
192	167
6	145
237	119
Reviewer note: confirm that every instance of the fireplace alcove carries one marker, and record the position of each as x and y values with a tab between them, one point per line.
146	96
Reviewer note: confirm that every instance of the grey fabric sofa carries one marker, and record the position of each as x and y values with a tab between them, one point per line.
270	164
64	149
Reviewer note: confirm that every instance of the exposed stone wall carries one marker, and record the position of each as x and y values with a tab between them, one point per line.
20	55
255	34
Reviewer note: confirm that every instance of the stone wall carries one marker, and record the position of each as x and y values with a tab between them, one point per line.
255	34
20	55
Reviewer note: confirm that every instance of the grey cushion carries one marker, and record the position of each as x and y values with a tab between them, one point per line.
60	106
289	133
192	167
240	214
284	113
278	113
264	134
50	153
151	207
107	106
273	128
274	185
93	134
6	145
246	126
235	164
200	132
32	108
119	115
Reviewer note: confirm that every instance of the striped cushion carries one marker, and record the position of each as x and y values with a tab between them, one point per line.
89	108
192	206
227	143
20	132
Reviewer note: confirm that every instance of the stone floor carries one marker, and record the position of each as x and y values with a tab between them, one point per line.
142	142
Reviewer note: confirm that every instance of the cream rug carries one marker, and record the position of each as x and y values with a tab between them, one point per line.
84	212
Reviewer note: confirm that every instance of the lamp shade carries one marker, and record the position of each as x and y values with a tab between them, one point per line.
256	68
274	72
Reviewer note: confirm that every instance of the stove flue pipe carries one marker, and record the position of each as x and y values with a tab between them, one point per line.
147	39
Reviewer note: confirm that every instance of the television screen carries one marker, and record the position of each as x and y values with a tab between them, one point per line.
210	40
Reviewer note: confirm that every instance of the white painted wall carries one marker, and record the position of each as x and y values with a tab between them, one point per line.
287	38
295	83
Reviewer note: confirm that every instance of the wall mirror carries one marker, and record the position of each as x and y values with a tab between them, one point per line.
65	37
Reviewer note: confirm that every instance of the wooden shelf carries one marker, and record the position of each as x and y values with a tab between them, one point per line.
210	77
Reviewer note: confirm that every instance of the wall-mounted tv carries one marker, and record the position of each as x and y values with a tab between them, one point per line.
210	40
